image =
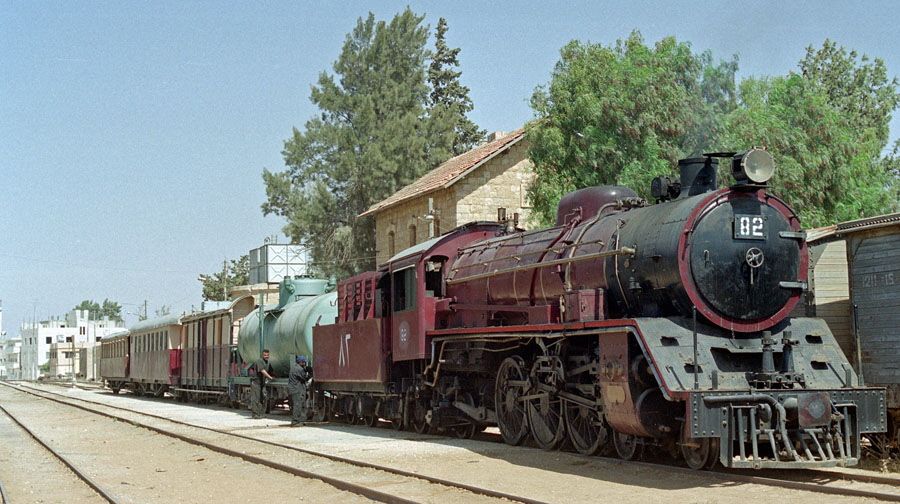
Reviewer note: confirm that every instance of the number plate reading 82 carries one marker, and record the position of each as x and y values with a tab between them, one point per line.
749	227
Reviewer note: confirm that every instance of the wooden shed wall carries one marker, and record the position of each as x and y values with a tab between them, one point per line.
829	291
832	291
875	288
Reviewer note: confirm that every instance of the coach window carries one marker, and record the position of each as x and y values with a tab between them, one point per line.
404	289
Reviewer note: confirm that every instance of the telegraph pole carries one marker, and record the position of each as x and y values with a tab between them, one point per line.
225	280
75	337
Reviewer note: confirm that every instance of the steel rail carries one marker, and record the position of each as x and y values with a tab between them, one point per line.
728	475
722	474
809	486
864	478
366	492
3	497
82	476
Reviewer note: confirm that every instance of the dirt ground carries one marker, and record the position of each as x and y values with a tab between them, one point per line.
540	475
131	464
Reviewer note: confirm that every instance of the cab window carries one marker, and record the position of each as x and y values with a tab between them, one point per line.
404	289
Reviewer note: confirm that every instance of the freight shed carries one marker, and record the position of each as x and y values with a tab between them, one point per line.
873	256
854	276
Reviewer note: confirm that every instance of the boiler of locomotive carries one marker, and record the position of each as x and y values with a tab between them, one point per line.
738	254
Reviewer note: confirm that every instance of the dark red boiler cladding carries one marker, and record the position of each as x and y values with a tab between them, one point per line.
738	255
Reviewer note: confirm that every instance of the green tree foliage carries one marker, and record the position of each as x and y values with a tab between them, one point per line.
217	285
827	128
854	85
827	169
891	164
623	115
97	311
373	136
90	305
449	99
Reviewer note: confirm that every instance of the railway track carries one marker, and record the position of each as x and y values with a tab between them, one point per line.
831	482
414	487
93	493
884	488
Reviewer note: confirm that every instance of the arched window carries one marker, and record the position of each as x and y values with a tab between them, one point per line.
392	249
412	235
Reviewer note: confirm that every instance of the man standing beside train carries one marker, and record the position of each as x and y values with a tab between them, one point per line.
264	372
297	388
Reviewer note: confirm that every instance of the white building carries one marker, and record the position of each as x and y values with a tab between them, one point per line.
39	338
65	358
9	353
9	359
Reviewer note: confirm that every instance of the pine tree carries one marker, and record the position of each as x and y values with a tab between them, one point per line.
449	99
374	134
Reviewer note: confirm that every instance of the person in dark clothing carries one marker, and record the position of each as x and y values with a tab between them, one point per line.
297	380
263	371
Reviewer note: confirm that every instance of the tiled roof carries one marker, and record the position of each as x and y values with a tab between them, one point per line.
447	173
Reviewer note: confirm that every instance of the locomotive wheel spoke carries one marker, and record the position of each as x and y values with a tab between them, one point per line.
511	415
369	420
587	430
713	459
545	416
628	446
319	412
467	430
418	417
697	452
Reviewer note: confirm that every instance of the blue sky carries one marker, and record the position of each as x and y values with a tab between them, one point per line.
133	134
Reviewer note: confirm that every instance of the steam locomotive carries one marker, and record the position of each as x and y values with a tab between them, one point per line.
625	326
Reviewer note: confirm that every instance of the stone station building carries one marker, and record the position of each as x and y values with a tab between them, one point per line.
469	187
